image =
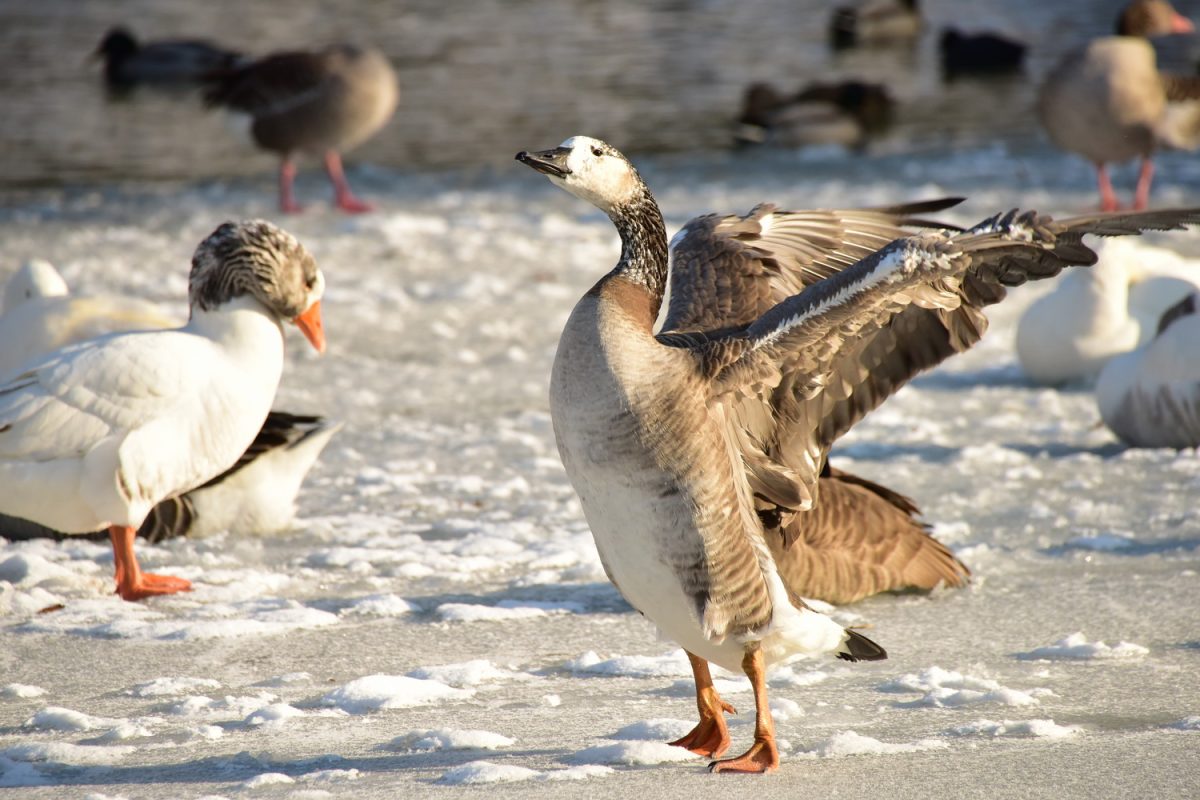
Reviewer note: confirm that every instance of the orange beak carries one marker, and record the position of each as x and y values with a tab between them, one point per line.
312	327
1181	24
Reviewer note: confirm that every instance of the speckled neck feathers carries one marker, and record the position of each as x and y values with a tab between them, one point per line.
643	245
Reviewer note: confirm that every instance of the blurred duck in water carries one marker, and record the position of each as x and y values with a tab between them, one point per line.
849	113
874	22
169	63
965	54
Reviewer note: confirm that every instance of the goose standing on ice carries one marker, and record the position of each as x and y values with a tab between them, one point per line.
1151	397
93	436
1094	314
1108	102
322	103
255	496
692	449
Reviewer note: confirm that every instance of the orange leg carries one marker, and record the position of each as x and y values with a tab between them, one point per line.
1141	196
287	176
132	583
710	738
343	197
763	755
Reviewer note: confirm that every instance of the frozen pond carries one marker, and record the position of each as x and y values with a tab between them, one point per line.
439	603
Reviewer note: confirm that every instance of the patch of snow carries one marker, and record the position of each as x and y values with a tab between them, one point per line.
20	691
949	689
380	692
1037	728
266	779
1187	724
1076	647
56	718
67	753
273	716
450	739
632	753
468	673
672	665
170	687
850	743
652	730
379	605
476	772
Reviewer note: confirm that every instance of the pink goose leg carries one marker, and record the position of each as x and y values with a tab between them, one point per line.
1108	198
1141	196
343	197
287	175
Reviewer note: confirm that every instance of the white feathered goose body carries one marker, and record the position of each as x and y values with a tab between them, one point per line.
96	434
690	448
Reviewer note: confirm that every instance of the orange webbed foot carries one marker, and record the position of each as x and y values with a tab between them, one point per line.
148	584
710	737
762	757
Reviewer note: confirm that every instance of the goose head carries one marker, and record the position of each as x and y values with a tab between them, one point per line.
257	259
35	278
591	170
1150	18
117	45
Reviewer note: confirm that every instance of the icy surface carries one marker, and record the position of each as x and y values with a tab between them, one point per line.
437	616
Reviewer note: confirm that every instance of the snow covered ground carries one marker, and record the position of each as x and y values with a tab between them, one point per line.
438	619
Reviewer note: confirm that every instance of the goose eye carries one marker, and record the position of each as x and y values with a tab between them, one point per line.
310	281
596	151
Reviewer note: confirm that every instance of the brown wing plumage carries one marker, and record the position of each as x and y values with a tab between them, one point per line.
799	385
860	539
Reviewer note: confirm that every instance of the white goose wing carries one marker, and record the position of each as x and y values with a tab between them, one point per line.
115	386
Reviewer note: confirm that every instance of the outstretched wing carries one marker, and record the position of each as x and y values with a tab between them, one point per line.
801	374
727	271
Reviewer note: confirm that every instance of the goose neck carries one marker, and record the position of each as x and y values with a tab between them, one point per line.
643	246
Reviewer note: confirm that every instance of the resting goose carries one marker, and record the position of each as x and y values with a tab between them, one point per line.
96	434
41	315
1068	335
321	102
1151	396
170	62
691	449
1108	102
846	113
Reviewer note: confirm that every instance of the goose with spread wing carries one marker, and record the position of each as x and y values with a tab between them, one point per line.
694	451
96	434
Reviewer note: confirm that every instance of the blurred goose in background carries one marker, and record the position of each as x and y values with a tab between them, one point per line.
96	434
691	450
1092	315
847	113
1151	396
322	103
874	22
40	315
1109	102
129	63
978	53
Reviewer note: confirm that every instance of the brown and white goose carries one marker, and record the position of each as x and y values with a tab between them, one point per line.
321	103
784	329
1109	103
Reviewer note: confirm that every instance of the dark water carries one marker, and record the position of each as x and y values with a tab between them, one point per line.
483	79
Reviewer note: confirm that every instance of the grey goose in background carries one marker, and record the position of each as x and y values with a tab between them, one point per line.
320	102
783	330
254	497
1109	102
129	63
1151	397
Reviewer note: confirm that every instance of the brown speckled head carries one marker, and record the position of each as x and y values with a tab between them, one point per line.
256	258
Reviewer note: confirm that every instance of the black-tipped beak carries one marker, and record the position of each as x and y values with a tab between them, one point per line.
548	162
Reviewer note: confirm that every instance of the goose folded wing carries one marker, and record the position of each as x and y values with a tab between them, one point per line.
273	85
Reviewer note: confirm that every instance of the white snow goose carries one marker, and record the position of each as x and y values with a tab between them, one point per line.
1109	103
1151	397
94	435
694	449
255	496
1068	335
321	102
